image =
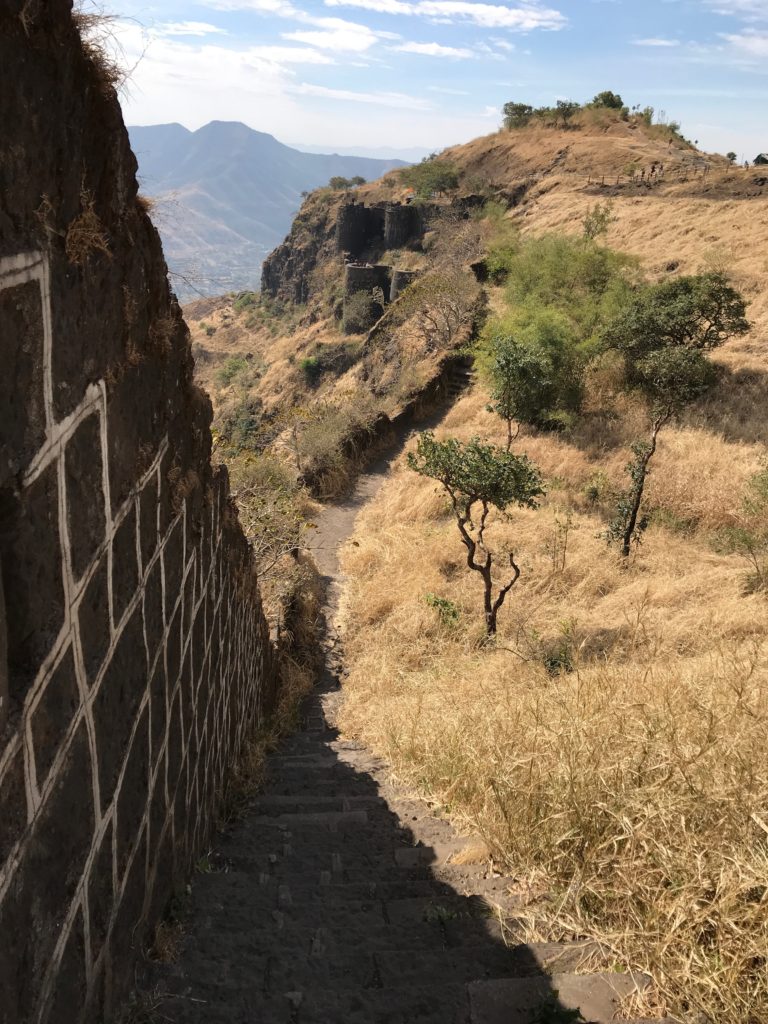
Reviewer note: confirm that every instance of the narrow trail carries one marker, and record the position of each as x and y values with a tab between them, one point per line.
341	899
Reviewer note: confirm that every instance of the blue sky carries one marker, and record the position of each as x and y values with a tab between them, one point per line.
428	73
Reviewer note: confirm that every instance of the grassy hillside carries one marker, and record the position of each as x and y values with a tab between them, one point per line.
610	743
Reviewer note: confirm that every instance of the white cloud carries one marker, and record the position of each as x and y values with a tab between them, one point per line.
753	43
520	19
188	28
750	10
354	39
382	99
447	92
656	42
434	50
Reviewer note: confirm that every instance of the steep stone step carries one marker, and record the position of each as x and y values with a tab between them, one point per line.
370	1004
517	1000
276	804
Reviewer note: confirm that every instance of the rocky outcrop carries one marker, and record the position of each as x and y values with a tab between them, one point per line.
134	657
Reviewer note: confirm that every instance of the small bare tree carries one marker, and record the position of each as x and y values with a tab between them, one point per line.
442	305
478	477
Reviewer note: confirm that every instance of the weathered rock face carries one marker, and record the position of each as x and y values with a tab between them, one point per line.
287	272
133	652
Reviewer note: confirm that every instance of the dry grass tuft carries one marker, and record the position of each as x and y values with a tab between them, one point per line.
99	44
85	234
166	944
613	746
145	204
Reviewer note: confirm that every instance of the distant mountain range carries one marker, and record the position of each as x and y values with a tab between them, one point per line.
226	196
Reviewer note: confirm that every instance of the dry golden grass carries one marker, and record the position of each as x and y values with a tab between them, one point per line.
614	743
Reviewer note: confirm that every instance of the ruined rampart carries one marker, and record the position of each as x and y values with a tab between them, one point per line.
134	657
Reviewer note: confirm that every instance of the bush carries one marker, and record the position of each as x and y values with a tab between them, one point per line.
244	300
311	368
431	176
242	427
361	311
233	367
517	115
609	99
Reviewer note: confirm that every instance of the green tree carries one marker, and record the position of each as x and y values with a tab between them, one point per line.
517	115
430	176
478	477
609	99
597	220
566	109
664	334
337	182
731	157
699	311
521	383
357	180
749	538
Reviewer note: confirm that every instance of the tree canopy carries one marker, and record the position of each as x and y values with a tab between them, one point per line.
430	176
475	471
699	311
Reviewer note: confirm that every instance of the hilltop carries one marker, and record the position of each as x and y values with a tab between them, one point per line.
225	195
695	211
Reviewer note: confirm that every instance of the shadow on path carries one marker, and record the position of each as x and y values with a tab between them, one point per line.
340	899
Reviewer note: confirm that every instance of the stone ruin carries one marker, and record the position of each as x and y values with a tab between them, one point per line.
134	655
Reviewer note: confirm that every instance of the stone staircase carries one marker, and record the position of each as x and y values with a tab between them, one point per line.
461	378
340	899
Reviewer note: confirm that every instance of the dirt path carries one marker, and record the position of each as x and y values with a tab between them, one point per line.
341	899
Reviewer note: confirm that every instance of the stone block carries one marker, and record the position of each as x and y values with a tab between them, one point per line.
173	563
13	804
31	564
175	748
125	569
93	616
70	984
129	931
148	503
154	626
101	891
22	412
115	706
173	650
36	906
133	798
53	714
85	494
157	807
157	708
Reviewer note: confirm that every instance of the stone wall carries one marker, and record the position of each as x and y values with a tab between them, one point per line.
134	657
359	227
366	278
402	223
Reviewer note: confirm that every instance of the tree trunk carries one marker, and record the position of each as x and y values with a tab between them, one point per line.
637	497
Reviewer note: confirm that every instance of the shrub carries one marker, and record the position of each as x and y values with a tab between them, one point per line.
431	176
311	368
233	367
517	115
361	311
244	301
609	99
